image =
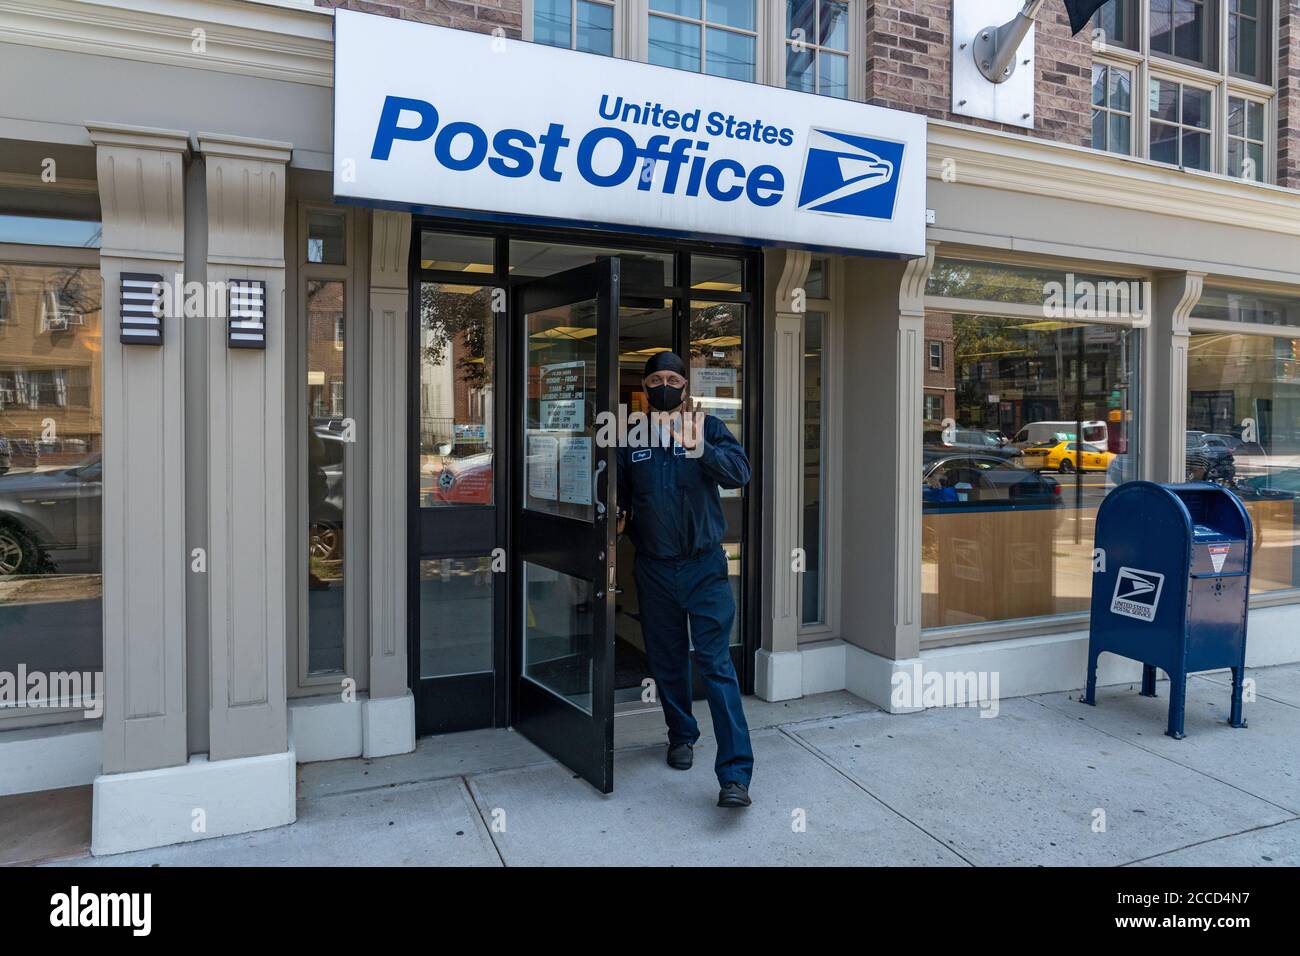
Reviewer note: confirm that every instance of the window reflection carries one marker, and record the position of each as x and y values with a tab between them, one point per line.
326	437
51	474
1243	421
456	395
456	624
717	361
1027	429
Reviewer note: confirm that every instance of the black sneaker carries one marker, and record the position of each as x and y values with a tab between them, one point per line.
680	756
734	794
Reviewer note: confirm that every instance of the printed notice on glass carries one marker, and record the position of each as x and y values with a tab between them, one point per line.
575	470
562	404
715	390
543	452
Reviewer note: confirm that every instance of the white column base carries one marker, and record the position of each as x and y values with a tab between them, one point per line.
196	801
388	726
50	758
325	728
778	675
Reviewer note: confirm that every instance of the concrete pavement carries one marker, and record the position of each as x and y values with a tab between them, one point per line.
1047	781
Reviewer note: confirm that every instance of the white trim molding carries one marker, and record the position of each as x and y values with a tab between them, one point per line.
274	41
1024	164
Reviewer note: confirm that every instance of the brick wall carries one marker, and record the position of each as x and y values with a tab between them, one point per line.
1288	95
481	16
908	67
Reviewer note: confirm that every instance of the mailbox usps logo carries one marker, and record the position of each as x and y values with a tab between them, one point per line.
850	175
1137	594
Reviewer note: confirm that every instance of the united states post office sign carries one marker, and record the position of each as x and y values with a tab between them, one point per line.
427	117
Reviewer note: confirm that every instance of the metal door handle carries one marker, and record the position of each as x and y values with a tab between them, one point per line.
595	481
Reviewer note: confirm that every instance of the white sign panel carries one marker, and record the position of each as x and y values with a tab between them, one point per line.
543	474
562	408
434	118
575	470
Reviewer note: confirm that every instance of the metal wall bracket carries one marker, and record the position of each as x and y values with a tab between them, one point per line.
993	68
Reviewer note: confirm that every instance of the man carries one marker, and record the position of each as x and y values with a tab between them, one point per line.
669	493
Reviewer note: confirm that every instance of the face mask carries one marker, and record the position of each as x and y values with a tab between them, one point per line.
665	398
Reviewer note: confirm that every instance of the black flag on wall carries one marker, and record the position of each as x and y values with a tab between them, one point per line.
1081	12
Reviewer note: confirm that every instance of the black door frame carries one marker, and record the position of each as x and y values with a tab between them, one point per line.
464	702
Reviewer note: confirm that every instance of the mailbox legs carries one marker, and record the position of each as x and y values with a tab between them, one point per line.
1148	681
1177	704
1090	694
1238	678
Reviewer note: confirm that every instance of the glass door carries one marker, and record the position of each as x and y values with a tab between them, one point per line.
564	537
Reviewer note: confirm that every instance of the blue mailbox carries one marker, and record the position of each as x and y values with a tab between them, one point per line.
1170	587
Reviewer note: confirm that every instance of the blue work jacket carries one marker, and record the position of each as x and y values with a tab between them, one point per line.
672	499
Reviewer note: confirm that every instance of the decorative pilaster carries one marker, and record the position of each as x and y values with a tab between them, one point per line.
907	520
141	188
390	246
247	567
1176	295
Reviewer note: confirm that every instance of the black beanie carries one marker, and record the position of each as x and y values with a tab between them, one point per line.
664	362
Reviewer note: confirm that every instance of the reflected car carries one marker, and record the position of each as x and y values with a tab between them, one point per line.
1209	458
1064	456
966	440
462	481
1275	485
984	480
50	520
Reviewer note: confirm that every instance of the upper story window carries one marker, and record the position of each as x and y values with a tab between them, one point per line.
1184	30
1181	124
1203	66
586	25
817	46
719	37
1116	24
1248	39
1112	108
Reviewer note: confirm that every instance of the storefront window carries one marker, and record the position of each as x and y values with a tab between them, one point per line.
1028	428
456	624
814	476
1060	292
457	395
327	434
717	386
1225	305
51	474
1243	431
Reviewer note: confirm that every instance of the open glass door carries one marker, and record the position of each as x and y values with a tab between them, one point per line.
564	537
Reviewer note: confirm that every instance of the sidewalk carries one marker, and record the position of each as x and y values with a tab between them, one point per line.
943	787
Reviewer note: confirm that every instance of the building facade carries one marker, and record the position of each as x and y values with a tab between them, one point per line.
345	501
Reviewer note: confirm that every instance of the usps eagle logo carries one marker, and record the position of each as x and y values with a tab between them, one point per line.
846	174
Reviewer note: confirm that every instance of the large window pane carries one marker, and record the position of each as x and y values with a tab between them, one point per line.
558	634
325	475
457	395
560	391
51	474
814	477
717	359
552	22
456	623
1227	305
1040	425
1243	420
